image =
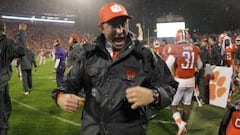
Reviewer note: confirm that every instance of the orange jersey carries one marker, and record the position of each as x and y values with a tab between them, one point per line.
229	55
165	51
233	127
186	59
162	51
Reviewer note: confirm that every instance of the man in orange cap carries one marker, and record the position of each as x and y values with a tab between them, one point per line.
121	79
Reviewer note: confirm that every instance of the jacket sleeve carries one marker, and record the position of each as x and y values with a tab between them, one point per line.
73	80
21	38
20	44
73	54
15	50
163	82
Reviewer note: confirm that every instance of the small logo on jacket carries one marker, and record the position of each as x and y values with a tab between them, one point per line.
130	74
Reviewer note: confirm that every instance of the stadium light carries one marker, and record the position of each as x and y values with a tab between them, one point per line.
36	19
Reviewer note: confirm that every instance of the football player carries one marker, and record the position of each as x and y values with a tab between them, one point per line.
183	59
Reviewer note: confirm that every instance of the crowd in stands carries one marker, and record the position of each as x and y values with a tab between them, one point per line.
41	36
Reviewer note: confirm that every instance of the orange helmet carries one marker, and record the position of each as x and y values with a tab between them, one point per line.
110	11
182	36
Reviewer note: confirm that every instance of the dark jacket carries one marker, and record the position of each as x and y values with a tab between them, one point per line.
205	57
73	54
8	51
237	56
216	57
106	109
28	60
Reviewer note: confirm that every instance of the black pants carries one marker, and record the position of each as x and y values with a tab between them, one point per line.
3	132
203	90
27	79
60	75
5	109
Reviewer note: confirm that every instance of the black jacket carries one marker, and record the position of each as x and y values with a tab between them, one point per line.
237	56
8	51
73	54
217	58
205	57
28	60
106	110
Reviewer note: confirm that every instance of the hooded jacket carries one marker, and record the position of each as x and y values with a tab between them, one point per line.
104	81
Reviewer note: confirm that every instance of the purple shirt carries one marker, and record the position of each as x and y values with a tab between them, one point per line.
60	53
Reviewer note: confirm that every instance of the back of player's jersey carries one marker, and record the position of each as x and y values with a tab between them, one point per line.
229	55
186	60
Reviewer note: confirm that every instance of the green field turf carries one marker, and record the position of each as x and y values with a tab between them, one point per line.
37	114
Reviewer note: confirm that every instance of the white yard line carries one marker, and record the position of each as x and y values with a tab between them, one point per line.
179	108
163	121
45	113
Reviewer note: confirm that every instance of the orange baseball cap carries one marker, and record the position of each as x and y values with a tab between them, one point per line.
110	11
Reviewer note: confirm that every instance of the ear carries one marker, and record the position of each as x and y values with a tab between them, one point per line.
100	28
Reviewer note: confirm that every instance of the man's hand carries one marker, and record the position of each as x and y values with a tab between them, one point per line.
69	102
139	96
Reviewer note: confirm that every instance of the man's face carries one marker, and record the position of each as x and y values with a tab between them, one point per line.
115	31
